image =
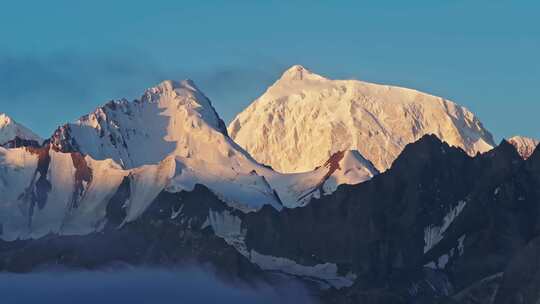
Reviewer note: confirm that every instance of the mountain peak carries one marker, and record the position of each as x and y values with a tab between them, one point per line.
524	145
304	117
507	148
298	73
10	130
173	117
185	94
4	120
425	145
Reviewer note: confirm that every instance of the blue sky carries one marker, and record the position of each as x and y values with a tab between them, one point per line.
60	59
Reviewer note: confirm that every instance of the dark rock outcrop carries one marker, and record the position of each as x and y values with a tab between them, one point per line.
489	205
18	142
521	281
37	192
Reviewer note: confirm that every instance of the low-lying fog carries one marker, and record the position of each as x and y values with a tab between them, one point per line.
152	286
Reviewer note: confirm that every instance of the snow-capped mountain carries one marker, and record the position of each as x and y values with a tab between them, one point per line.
176	119
13	133
171	118
304	118
124	154
158	181
524	145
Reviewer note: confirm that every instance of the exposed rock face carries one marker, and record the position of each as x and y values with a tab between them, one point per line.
36	194
522	277
434	219
481	292
14	135
524	145
304	118
18	142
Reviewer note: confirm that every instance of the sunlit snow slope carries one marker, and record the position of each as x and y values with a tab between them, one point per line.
304	118
43	191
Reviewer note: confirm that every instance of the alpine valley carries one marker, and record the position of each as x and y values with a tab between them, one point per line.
367	193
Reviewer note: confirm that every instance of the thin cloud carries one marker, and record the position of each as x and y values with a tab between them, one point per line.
44	91
139	285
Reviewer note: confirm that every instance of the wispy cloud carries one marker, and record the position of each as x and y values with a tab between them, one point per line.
43	91
232	88
67	74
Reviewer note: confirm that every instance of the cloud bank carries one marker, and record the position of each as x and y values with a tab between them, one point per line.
145	286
